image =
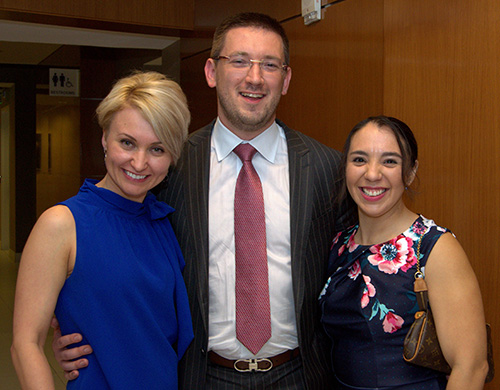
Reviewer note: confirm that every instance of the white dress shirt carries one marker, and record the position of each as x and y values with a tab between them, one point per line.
271	163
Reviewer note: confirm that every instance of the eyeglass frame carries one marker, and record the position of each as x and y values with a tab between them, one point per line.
283	67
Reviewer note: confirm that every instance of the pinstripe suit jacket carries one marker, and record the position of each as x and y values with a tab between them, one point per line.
313	217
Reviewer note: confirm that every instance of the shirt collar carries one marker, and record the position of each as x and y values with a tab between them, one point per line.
266	143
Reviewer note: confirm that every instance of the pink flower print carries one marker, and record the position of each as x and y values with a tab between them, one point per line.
392	322
351	244
393	255
419	228
354	270
368	292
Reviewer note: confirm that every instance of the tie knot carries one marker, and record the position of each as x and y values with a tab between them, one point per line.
245	152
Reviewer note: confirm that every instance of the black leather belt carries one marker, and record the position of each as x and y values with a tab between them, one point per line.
257	364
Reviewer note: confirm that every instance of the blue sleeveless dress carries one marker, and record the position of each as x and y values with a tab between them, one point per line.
368	305
126	294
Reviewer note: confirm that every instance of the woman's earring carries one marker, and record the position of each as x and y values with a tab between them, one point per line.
105	154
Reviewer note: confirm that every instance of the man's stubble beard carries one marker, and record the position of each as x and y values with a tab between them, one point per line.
247	123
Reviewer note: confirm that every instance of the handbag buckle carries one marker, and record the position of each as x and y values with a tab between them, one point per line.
419	314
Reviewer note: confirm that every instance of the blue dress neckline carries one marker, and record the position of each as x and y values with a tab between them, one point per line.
155	208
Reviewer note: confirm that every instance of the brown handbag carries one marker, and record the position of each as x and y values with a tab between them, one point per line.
421	345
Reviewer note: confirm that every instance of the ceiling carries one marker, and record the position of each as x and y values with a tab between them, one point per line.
29	43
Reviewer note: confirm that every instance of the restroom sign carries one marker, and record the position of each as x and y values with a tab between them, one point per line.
64	82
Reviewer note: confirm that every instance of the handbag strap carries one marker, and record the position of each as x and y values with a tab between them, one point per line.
420	286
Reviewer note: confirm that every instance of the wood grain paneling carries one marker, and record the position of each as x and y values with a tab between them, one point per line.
337	71
209	13
202	99
442	77
168	14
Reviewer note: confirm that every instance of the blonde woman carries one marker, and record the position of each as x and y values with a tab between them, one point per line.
106	261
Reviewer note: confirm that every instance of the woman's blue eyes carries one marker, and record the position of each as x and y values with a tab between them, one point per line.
156	149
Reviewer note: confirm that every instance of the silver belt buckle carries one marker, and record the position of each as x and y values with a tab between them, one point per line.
253	364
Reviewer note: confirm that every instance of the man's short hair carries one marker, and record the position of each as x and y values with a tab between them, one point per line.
249	19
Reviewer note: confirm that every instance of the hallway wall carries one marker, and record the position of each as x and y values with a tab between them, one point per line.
23	171
166	14
442	76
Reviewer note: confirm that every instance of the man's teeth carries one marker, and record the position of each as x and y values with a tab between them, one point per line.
134	176
373	192
253	95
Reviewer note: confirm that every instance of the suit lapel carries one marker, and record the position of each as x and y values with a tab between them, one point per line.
197	178
300	209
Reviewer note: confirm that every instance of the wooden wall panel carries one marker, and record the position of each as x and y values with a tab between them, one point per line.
168	14
337	71
442	76
209	13
202	99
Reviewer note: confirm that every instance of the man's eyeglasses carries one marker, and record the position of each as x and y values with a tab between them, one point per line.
239	61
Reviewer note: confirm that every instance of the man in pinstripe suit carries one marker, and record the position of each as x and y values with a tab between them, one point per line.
249	67
298	176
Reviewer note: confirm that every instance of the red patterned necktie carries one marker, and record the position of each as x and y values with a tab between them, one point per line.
253	312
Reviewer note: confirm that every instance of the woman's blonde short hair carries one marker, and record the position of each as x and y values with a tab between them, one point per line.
161	102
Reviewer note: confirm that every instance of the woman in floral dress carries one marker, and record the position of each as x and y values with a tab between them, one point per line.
368	303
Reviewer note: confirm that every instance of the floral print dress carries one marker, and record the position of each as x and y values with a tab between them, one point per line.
368	306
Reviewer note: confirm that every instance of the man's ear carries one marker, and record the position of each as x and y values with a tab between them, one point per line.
286	82
210	72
